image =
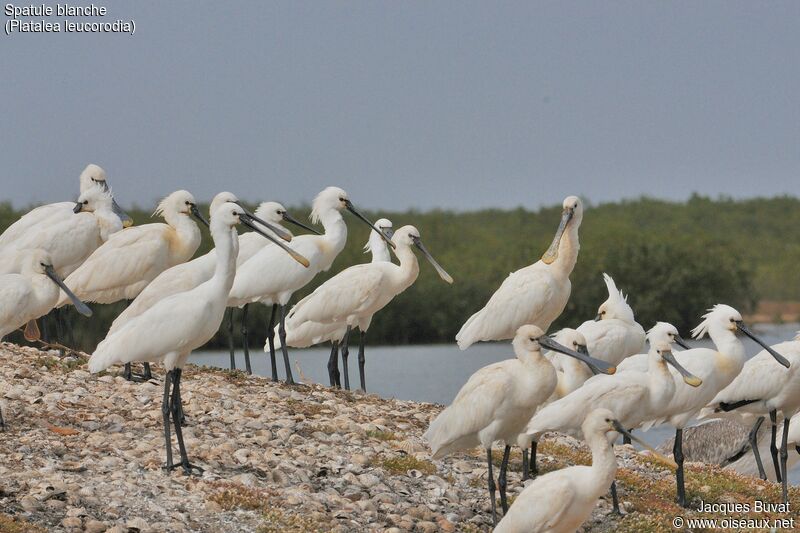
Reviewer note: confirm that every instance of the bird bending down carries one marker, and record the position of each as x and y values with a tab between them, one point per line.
354	295
716	368
52	215
764	387
536	294
560	501
285	275
32	293
173	327
498	400
311	333
614	334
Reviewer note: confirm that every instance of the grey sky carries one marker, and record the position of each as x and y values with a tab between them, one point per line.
410	104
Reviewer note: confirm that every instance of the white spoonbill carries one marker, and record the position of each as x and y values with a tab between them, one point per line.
68	240
355	294
174	326
54	214
284	274
560	501
132	258
32	293
635	397
614	334
717	368
765	387
498	400
536	294
311	333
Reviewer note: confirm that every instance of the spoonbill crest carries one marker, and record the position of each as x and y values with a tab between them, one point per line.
498	400
536	294
355	294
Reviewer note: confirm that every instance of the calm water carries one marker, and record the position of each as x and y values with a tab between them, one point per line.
435	373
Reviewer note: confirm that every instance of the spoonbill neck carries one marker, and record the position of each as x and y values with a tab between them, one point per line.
604	464
408	271
187	230
226	248
108	221
335	230
567	251
662	384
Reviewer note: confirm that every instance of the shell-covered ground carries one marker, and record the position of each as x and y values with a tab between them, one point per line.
84	452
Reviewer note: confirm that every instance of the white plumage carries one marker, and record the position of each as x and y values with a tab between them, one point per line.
559	502
51	215
69	238
185	276
31	293
615	334
130	259
536	294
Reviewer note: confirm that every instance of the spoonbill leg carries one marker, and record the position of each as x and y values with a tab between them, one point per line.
784	458
614	498
501	479
362	361
333	365
128	374
492	487
753	438
165	411
773	446
677	454
176	417
534	469
243	331
230	339
345	355
271	341
284	348
525	475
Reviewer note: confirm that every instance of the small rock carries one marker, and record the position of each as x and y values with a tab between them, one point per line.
94	526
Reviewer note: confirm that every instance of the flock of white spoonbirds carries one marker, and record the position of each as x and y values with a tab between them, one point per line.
594	382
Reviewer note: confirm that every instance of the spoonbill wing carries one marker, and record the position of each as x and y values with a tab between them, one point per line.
521	299
36	217
14	292
349	292
542	506
472	410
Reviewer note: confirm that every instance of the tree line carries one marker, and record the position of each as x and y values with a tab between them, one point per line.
673	259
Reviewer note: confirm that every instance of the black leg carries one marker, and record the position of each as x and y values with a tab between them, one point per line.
784	458
534	468
2	422
753	438
502	481
345	355
165	411
773	445
176	415
490	475
127	373
626	439
230	338
271	342
362	361
677	454
284	348
247	367
614	498
45	329
148	372
333	364
525	475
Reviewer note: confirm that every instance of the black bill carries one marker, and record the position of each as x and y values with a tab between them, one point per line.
251	223
441	271
596	365
349	205
289	218
197	214
79	305
778	357
621	430
688	377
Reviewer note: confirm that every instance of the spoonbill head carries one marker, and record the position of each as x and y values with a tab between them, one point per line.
334	199
179	203
571	373
407	237
536	294
272	225
616	306
661	330
275	213
94	176
376	245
